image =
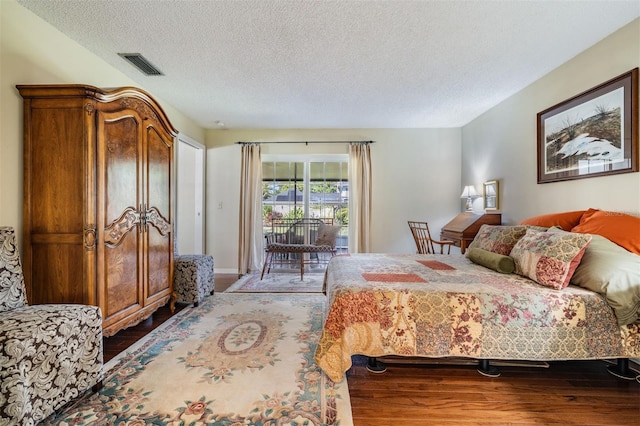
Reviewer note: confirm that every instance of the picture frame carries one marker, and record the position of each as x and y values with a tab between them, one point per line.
592	134
491	195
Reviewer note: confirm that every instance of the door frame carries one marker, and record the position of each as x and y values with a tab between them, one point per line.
184	139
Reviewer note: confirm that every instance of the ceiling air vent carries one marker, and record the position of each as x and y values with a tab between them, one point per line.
140	62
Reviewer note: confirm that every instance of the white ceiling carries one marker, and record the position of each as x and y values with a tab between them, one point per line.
337	64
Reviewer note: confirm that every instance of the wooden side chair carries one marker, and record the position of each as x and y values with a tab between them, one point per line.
424	242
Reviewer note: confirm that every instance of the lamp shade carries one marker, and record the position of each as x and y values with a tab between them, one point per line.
469	191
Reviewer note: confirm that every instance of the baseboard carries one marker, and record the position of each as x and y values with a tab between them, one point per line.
225	271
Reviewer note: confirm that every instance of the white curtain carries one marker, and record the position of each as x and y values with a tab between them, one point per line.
359	198
250	253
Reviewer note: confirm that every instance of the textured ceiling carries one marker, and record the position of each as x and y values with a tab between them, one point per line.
337	64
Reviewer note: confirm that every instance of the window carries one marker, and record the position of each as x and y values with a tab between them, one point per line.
294	187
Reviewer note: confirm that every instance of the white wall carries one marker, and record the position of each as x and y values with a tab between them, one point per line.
416	176
501	143
33	52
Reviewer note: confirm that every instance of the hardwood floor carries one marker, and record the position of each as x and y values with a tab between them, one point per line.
566	393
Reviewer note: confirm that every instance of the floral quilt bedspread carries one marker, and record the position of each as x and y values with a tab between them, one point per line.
447	306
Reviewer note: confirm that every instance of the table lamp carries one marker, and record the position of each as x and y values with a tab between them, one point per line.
469	192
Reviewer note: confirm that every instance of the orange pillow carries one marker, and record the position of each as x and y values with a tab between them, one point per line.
565	220
622	229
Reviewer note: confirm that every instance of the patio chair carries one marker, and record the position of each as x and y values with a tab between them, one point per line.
294	244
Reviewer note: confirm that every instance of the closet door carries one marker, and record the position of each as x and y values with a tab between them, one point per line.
190	195
120	263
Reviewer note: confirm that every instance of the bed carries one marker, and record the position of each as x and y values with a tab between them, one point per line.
437	306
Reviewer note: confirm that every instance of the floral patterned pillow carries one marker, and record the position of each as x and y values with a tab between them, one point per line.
498	238
549	258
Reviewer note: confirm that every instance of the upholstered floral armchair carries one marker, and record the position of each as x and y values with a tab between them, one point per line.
49	354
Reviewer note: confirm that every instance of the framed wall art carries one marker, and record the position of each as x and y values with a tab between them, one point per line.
592	134
491	195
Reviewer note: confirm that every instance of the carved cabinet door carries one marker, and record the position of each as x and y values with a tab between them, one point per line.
157	205
120	249
134	209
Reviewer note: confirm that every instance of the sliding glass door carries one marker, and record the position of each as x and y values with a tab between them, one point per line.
295	187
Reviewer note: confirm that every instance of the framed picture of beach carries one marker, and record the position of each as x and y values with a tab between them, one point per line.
592	134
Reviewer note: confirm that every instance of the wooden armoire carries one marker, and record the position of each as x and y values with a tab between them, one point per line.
98	200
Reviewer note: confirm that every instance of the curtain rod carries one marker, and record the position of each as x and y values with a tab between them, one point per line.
304	142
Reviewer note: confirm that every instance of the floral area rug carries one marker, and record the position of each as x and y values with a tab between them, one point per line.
237	359
279	283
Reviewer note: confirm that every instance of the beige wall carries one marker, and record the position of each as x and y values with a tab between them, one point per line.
416	175
33	52
501	144
417	172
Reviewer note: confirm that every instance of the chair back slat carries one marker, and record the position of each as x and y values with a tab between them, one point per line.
424	242
296	231
422	237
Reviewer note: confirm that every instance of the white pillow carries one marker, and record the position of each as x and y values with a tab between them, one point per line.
614	272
